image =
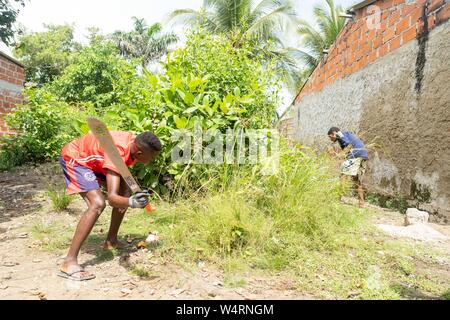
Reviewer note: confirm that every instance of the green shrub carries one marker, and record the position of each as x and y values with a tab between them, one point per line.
60	199
43	125
209	84
92	77
397	202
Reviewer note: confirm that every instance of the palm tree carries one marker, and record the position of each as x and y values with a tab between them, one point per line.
317	40
264	23
147	43
241	20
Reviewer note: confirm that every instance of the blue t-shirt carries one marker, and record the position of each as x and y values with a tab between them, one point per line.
358	148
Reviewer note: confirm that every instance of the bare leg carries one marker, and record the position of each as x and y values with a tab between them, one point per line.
96	205
359	187
116	220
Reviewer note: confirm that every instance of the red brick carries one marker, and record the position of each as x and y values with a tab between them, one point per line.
384	49
409	34
395	43
435	4
370	35
406	10
377	41
443	14
431	21
372	56
362	63
388	35
416	15
398	2
383	27
386	4
402	25
394	18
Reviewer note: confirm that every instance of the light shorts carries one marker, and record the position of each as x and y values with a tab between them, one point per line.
354	167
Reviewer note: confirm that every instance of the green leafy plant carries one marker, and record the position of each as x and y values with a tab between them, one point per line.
208	84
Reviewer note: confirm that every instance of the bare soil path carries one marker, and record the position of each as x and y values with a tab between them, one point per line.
27	272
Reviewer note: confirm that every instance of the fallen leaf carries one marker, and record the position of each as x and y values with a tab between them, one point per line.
141	245
42	295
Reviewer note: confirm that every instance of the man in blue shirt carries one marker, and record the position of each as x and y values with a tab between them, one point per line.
357	155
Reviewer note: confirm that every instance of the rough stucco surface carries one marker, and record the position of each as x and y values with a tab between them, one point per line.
410	129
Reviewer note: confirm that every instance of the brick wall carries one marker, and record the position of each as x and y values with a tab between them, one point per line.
376	30
11	83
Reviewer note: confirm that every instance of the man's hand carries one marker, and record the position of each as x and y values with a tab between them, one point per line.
139	200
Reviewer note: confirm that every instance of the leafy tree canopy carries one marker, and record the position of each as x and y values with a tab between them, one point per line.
46	54
8	15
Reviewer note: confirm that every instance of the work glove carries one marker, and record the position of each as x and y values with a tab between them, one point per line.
139	200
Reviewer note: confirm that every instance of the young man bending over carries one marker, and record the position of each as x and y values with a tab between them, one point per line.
86	166
355	165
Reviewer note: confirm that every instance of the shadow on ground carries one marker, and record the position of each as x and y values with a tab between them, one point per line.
94	243
415	294
20	185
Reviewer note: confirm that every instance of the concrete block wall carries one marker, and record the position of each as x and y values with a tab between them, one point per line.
376	30
393	91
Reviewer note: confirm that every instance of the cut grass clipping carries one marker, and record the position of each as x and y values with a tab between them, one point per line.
292	221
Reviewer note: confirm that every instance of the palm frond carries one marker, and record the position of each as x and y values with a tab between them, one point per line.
192	17
264	27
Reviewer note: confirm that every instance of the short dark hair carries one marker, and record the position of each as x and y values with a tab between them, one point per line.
150	140
333	129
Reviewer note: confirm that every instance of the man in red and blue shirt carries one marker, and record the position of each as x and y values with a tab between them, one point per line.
86	168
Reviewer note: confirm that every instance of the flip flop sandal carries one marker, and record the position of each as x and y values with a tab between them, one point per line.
69	276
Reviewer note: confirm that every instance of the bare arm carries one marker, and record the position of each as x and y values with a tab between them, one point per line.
113	186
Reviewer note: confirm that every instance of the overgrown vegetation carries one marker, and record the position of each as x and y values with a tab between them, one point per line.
230	216
208	83
45	124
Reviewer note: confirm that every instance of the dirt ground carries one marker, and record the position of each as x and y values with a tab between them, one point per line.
26	272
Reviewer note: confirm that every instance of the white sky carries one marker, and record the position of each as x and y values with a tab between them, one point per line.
112	15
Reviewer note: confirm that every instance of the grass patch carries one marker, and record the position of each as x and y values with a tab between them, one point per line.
59	198
52	236
234	281
292	222
141	271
